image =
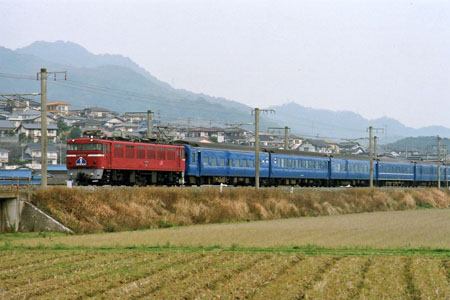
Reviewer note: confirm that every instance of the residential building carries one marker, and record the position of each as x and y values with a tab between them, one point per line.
33	152
88	124
316	146
33	132
7	128
351	148
204	132
236	135
134	117
4	156
126	127
58	107
111	122
97	112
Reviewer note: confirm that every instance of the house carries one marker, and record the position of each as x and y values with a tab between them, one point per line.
4	154
33	131
236	135
295	142
88	124
134	117
17	104
97	112
111	122
315	146
215	133
34	152
37	119
70	120
7	128
353	148
126	127
58	107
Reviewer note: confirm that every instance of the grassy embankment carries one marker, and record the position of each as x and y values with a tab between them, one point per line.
122	208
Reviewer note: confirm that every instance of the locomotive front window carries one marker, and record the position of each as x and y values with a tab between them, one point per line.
84	147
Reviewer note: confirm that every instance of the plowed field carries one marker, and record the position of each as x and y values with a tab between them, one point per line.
218	274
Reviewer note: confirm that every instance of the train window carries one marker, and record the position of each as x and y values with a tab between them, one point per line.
140	152
151	153
251	163
214	161
244	163
161	153
303	163
205	161
230	162
170	153
129	151
193	157
118	150
105	148
282	163
222	162
182	153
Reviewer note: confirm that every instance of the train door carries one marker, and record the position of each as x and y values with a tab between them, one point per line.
107	155
199	164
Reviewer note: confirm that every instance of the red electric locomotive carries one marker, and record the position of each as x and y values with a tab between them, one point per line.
102	161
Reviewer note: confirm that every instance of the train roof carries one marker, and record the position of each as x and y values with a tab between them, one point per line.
220	146
216	146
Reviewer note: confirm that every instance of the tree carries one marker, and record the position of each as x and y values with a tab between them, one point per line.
75	133
62	126
22	137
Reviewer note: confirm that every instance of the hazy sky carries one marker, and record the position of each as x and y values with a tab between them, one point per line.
377	58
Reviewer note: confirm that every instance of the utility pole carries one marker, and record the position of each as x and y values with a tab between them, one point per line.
375	138
370	158
286	138
149	124
256	112
286	135
256	148
370	129
43	128
44	75
439	161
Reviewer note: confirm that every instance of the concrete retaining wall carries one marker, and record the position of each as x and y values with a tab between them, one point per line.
35	220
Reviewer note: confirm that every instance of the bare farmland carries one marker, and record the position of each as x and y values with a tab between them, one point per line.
137	274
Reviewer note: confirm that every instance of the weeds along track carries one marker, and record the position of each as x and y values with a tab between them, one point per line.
219	274
87	210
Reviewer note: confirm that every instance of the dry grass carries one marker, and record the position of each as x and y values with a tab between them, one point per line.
393	229
135	274
123	208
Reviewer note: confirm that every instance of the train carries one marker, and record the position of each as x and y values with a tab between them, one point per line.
103	161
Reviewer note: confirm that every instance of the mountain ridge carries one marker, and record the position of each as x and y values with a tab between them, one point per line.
131	87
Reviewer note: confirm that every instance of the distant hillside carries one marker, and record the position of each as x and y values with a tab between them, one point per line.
345	124
418	143
129	87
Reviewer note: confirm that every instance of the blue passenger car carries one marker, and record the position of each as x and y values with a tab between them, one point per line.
350	170
298	167
428	173
393	171
214	165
